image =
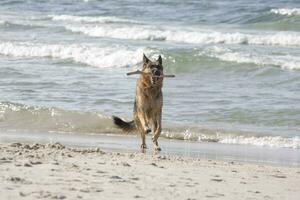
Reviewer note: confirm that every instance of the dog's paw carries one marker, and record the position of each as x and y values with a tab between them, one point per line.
143	146
157	148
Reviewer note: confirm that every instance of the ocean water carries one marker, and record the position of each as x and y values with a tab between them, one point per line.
63	66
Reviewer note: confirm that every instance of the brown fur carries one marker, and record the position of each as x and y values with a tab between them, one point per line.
148	103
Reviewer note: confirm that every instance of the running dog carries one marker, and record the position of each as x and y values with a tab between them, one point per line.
147	111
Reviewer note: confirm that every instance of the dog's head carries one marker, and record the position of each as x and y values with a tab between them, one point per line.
153	70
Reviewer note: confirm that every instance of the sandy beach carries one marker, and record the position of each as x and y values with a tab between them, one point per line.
230	116
54	171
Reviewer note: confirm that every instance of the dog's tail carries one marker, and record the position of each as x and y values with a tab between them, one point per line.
125	126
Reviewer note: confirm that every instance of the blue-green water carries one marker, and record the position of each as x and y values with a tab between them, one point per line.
237	66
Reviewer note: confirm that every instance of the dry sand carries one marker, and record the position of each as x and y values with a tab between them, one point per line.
53	171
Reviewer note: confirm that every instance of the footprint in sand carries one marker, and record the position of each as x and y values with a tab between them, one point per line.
58	197
134	179
16	179
22	194
100	172
279	176
27	165
115	177
217	179
125	164
215	195
255	192
5	162
36	162
153	164
84	190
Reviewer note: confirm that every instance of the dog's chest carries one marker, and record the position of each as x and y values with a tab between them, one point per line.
149	98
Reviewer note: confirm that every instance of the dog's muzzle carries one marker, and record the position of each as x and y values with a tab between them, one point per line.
155	76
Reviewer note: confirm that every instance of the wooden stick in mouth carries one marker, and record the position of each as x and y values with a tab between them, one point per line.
140	72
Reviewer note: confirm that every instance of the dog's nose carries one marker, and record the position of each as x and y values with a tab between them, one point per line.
156	73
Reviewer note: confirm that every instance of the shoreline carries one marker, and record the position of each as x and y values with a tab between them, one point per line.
54	171
131	143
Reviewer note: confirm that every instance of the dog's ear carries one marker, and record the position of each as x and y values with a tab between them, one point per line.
145	59
159	60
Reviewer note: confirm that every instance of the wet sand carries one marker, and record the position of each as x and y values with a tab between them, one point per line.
54	171
131	143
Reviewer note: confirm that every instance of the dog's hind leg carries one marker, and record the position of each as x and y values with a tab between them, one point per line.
143	145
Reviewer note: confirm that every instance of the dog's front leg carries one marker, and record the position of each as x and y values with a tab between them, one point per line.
157	131
143	118
143	129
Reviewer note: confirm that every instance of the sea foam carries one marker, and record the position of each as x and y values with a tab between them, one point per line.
284	61
89	55
90	19
192	37
269	141
287	11
132	32
236	138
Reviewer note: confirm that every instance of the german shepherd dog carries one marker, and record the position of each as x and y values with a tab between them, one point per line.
148	103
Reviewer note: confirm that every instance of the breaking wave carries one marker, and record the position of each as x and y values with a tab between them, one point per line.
15	116
193	37
284	61
103	57
227	138
18	117
133	32
91	19
21	25
286	11
89	55
108	57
